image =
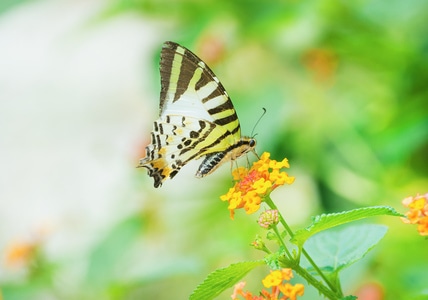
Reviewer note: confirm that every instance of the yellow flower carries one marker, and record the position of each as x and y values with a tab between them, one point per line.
251	202
239	173
291	292
273	279
261	186
277	282
277	276
286	274
254	184
418	213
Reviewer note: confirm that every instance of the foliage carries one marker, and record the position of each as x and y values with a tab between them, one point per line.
325	253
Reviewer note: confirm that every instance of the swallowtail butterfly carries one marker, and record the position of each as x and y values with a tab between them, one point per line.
197	119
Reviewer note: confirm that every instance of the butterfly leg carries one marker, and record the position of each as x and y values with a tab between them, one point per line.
231	167
255	153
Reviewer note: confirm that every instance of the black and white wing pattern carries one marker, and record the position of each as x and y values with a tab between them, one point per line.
197	119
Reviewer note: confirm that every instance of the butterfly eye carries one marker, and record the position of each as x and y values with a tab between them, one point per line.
252	143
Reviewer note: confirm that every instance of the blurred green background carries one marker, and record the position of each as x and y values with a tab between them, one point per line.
344	84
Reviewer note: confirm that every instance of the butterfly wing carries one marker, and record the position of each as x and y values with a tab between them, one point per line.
190	88
175	143
197	117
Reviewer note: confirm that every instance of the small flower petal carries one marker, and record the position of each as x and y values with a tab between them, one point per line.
273	279
291	292
418	212
423	226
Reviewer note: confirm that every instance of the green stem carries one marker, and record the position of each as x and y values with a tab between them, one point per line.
329	293
321	273
272	205
275	229
315	283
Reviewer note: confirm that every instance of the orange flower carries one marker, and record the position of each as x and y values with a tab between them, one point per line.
253	185
238	290
292	291
20	253
276	281
276	277
423	226
418	213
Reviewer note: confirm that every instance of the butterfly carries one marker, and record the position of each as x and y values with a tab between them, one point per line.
197	119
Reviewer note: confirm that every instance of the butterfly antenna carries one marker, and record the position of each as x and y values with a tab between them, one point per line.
255	125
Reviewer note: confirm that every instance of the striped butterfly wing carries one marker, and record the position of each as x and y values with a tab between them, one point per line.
190	88
197	119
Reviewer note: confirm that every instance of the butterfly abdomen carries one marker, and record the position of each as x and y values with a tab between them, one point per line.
210	163
215	160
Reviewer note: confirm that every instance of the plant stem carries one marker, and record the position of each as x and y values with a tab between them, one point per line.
275	229
315	283
329	293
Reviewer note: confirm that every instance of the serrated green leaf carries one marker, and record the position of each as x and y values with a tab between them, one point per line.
222	279
271	260
326	221
333	250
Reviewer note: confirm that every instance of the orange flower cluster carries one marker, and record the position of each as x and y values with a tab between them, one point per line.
276	280
21	253
418	213
252	185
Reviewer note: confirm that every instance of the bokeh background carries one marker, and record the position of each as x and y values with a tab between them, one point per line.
344	84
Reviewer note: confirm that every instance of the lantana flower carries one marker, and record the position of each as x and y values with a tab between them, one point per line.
418	213
277	281
268	218
21	254
254	184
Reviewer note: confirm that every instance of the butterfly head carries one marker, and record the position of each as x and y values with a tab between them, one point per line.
243	146
252	143
248	144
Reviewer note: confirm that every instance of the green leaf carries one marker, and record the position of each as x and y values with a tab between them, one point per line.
222	279
336	249
272	260
326	221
